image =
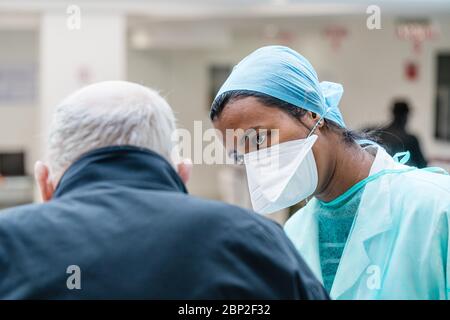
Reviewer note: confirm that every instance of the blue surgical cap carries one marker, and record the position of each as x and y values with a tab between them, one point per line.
285	74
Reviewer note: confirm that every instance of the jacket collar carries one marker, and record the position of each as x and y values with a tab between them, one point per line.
368	224
356	259
123	165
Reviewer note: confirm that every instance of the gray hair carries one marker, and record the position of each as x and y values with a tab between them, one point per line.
110	113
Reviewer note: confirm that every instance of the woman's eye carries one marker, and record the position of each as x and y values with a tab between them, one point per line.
260	138
255	140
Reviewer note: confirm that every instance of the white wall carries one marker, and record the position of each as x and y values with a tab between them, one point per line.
96	50
369	64
182	79
18	122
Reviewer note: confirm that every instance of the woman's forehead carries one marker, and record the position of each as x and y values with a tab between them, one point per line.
248	113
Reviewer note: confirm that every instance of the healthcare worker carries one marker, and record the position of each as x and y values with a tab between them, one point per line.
373	227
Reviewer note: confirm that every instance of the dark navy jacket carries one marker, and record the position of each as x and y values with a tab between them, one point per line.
123	216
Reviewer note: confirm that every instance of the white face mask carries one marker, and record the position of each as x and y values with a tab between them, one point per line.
282	175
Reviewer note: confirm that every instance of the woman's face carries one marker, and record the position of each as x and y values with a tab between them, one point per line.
252	122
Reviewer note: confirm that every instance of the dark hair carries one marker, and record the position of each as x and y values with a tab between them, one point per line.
400	109
349	136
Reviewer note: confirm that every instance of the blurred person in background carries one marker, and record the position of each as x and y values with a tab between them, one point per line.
373	227
396	139
116	209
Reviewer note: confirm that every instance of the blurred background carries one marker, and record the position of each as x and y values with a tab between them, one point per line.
392	57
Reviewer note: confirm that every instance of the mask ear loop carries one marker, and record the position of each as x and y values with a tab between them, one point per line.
310	133
317	123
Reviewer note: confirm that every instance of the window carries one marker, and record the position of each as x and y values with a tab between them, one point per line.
442	120
12	164
17	84
217	76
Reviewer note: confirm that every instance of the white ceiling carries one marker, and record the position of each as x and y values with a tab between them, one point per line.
195	9
25	13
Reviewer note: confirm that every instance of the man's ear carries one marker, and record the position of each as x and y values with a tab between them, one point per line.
185	169
42	176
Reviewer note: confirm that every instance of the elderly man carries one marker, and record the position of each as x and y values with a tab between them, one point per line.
117	221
